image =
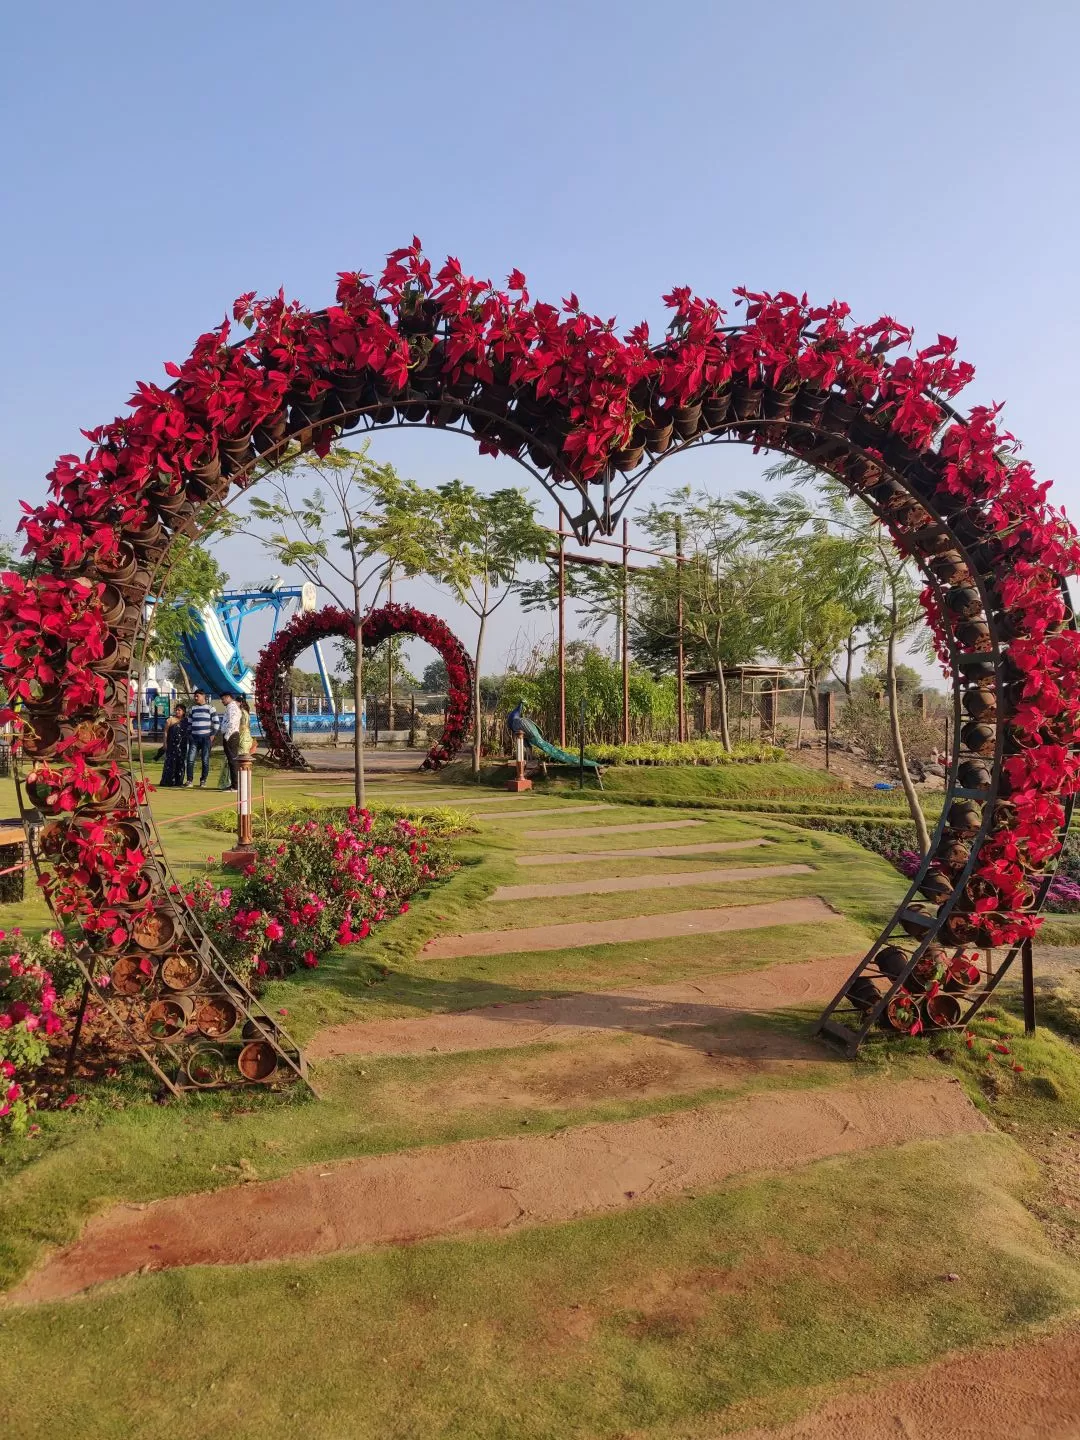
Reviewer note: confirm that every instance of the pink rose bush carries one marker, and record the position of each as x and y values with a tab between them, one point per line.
327	883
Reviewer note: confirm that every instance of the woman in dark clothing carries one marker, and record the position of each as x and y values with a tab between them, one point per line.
177	739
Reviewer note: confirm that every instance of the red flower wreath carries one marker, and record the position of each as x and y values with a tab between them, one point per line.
303	631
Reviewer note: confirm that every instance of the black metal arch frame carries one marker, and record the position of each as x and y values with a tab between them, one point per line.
849	443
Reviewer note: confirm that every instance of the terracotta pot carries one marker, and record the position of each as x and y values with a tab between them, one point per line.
40	736
182	971
953	854
687	420
974	635
937	539
128	977
657	436
257	1062
809	405
980	704
838	413
139	891
863	993
920	918
973	775
962	976
167	1018
104	942
975	668
944	1010
902	1012
155	932
121	567
936	887
626	460
101	739
777	404
980	739
949	568
207	1067
715	409
747	401
963	601
349	387
270	434
216	1016
258	1028
964	817
892	961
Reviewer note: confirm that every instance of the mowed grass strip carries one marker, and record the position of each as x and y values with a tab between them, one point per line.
621	885
653	1321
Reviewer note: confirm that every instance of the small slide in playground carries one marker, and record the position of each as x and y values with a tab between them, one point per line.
552	754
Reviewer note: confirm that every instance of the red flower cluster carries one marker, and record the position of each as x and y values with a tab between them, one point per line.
581	398
275	662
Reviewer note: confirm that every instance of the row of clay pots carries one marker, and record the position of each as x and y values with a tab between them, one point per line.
170	1016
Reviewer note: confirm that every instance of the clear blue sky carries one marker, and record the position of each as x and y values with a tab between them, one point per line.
917	159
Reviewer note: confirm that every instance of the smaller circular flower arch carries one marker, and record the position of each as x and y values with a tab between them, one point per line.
275	662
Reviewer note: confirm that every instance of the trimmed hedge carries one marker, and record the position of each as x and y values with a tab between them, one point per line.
685	752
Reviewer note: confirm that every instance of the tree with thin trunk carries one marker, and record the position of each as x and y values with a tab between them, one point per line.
727	591
869	576
459	537
325	535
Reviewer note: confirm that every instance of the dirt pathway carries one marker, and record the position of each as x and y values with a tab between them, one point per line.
640	927
614	884
1017	1392
709	847
485	1185
644	1010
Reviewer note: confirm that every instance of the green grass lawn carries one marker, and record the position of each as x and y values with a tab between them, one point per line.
682	1319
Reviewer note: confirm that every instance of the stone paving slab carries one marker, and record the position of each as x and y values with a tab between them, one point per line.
710	847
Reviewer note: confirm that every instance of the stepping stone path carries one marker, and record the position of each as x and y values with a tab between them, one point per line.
611	829
615	884
500	1185
645	1010
642	927
710	847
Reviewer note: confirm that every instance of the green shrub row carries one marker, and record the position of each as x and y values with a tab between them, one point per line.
439	821
684	752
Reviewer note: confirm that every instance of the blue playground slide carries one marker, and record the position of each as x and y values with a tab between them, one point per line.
210	658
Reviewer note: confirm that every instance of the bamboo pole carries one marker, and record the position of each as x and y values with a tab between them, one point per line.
681	658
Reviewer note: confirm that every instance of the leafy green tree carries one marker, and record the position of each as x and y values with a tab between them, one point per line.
867	575
730	598
435	680
324	533
459	537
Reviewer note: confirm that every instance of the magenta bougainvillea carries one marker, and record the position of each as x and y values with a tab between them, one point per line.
275	662
583	401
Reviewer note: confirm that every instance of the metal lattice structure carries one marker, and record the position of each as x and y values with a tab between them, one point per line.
951	537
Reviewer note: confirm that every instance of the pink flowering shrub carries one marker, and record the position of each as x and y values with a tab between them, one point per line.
28	1017
326	883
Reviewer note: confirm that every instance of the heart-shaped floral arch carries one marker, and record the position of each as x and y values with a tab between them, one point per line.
305	630
589	412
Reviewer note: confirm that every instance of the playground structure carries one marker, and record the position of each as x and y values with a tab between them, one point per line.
309	628
807	384
213	659
544	752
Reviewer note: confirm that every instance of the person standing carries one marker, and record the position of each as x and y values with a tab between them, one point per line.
230	735
201	721
177	744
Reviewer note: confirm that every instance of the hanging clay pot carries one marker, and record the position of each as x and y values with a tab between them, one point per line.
973	775
715	409
964	817
257	1062
167	1018
155	931
809	405
687	420
963	601
207	1067
980	704
746	401
892	961
918	919
944	1010
216	1016
182	971
131	975
980	739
